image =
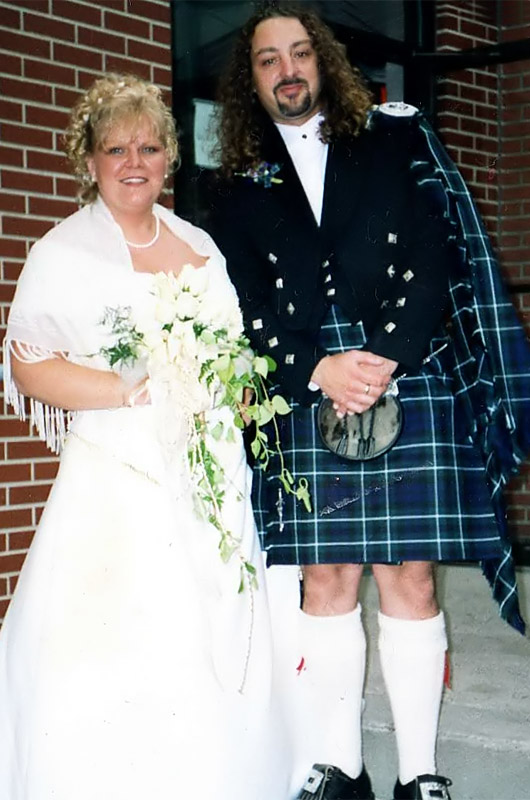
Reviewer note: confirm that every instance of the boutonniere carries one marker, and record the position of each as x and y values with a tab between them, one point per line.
262	173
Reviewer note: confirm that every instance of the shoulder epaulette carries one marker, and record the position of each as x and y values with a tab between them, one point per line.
397	109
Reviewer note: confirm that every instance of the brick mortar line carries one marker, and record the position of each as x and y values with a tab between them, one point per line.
27	482
446	95
446	129
460	82
68	87
112	55
31	125
36	195
456	10
93	49
76	43
518	26
467	117
61	86
473	70
29	459
26	529
121	35
483	40
30	149
476	116
36	217
43	151
474	136
84	3
30	192
22	192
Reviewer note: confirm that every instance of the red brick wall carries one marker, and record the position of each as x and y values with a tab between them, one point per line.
484	117
50	51
467	102
514	183
514	216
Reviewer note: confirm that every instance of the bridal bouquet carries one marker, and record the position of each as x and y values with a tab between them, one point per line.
194	344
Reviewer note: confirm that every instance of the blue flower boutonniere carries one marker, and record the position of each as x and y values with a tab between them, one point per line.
262	173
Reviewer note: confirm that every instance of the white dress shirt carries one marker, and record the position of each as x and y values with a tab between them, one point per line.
308	154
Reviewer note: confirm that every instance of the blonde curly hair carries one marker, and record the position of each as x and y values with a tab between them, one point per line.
110	100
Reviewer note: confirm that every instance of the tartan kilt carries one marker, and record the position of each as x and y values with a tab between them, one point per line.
425	499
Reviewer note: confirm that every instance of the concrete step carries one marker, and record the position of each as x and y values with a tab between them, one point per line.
484	738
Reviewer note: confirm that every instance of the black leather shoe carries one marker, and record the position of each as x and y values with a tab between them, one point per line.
424	787
325	782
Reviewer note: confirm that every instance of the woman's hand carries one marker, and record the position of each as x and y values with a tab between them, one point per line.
354	380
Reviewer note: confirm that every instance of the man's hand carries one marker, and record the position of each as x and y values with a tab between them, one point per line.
248	396
354	380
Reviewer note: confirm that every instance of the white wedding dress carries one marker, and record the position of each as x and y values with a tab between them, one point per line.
130	666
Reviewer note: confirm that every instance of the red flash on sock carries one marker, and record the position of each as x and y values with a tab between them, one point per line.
301	666
447	671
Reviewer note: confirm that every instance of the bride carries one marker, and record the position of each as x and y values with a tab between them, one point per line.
130	666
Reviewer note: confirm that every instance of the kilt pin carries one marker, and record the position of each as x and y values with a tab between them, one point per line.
400	265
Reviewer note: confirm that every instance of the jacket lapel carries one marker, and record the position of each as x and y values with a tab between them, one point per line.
290	191
348	168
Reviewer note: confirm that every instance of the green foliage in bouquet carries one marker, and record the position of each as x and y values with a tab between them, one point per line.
198	346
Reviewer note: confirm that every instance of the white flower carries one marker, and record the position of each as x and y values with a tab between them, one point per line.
186	306
166	311
219	309
158	358
165	285
194	279
182	343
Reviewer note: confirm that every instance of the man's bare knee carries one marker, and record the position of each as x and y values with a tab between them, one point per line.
330	589
407	591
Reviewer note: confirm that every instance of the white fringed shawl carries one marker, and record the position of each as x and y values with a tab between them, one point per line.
71	275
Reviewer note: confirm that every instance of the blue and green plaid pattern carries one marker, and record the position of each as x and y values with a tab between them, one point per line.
492	360
426	499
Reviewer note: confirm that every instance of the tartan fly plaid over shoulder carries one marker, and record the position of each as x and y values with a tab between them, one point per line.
490	357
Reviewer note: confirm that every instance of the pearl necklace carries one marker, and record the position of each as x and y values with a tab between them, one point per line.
153	240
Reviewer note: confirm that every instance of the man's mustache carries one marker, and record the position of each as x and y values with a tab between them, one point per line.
291	82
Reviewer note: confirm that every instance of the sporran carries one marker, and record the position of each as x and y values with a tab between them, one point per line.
362	437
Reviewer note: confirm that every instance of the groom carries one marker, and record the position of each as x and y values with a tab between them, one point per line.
309	254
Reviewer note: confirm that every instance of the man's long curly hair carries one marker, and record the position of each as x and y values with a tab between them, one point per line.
345	98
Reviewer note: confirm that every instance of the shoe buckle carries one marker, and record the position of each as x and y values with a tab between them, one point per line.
314	780
433	790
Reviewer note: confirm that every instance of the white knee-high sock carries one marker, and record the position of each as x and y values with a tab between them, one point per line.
330	689
412	655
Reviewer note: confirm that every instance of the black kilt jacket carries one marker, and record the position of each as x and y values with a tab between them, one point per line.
382	251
